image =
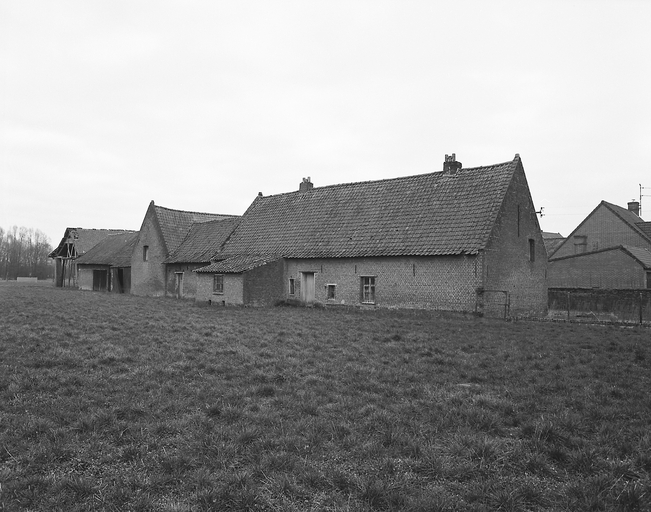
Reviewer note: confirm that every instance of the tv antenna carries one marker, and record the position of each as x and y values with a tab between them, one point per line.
643	195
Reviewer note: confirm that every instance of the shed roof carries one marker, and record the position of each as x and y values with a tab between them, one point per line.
114	250
203	241
81	240
237	264
429	214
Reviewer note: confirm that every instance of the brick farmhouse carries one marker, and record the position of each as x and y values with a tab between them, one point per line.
170	244
611	248
459	239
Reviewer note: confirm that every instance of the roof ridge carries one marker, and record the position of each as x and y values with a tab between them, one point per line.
189	211
398	178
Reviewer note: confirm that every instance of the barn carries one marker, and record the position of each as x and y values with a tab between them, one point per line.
74	243
458	239
107	266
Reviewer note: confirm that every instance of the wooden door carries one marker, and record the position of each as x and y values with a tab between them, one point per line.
307	287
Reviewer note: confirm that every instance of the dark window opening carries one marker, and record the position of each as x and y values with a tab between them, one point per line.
292	286
368	290
145	253
330	291
99	280
532	250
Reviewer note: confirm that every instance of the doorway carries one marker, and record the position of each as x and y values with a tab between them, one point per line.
178	285
307	287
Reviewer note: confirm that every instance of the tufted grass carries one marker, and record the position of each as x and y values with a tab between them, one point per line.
125	403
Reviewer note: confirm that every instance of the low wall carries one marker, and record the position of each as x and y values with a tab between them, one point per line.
621	305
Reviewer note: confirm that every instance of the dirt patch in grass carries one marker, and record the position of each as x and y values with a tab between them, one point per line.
126	403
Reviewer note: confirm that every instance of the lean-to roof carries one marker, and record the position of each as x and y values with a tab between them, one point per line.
114	250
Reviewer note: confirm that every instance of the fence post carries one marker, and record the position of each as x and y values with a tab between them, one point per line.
640	308
568	305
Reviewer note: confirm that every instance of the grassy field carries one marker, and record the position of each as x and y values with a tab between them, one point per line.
123	403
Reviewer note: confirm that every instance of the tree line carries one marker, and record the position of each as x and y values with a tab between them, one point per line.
24	253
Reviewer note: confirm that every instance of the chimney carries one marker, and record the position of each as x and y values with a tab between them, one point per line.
634	206
305	185
451	166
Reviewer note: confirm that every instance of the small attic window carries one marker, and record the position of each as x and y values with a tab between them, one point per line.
145	253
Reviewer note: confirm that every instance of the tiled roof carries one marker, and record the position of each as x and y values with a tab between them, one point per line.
645	227
237	264
552	241
203	241
114	250
429	214
175	224
636	223
83	239
642	255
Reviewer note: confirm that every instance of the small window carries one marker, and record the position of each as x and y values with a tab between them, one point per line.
580	244
218	283
532	250
330	291
368	290
648	279
292	286
145	253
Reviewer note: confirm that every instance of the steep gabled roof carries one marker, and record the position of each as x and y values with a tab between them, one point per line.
635	222
81	240
203	241
114	250
424	215
175	224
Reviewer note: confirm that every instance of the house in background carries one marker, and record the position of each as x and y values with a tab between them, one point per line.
107	266
449	240
552	241
611	248
76	242
203	241
161	234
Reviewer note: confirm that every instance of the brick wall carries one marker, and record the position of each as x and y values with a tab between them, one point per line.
508	263
85	275
233	289
264	286
612	268
602	229
189	279
443	282
148	277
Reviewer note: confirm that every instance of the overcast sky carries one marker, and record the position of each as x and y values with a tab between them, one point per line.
107	105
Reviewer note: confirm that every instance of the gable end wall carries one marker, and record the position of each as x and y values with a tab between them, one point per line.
602	229
507	263
148	277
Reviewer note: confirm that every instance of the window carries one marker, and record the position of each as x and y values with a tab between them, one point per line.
368	290
330	291
292	286
648	279
145	253
532	250
218	283
580	244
